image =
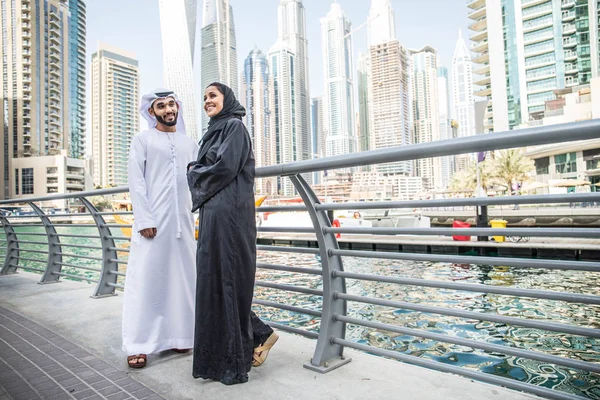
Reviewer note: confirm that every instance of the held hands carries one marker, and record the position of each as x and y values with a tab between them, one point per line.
148	233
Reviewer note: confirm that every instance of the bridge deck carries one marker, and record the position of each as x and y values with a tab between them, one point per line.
58	343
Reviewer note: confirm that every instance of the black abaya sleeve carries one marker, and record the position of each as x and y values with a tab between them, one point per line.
231	155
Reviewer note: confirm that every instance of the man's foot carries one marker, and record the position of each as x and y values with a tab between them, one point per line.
181	350
262	351
137	361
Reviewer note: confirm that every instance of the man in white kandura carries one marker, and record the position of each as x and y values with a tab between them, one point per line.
160	284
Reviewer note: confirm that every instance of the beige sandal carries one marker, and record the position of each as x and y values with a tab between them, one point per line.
262	351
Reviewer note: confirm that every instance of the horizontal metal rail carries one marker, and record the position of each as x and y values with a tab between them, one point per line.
287	249
115	213
289	288
30	242
494	348
117	225
476	260
26	268
593	233
64	264
75	225
115	285
473	287
119	238
471	201
285	268
544	325
295	229
77	256
116	260
82	246
118	249
480	376
31	234
116	273
300	310
263	209
285	328
30	259
33	251
76	236
77	277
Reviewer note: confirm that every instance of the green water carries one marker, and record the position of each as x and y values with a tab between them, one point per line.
535	372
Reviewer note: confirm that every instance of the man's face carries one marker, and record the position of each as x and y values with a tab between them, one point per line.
165	110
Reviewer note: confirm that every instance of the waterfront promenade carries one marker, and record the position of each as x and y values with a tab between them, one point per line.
58	343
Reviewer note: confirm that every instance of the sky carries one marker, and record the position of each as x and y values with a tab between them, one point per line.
134	26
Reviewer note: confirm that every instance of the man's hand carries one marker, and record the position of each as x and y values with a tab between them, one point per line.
148	233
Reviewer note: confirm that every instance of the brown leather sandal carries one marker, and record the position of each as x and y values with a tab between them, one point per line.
262	351
136	361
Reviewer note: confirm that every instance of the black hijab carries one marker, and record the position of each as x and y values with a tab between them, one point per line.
231	108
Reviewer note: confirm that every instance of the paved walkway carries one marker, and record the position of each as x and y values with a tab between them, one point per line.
36	363
58	343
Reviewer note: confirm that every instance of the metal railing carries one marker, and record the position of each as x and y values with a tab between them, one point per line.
333	316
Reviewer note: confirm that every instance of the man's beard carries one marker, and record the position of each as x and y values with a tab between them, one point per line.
162	120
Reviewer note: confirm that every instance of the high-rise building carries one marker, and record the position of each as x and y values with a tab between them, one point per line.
77	72
255	98
318	133
364	101
219	48
425	112
176	19
389	87
43	78
338	81
284	131
447	162
292	31
382	23
115	116
525	50
462	83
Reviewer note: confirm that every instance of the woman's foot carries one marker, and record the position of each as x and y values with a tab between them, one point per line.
262	351
137	361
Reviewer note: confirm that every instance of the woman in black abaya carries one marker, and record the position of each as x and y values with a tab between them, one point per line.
229	337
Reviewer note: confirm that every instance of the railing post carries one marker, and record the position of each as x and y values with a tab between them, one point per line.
12	248
53	267
328	355
108	276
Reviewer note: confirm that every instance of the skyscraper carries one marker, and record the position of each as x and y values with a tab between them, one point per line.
176	19
525	50
292	31
42	80
77	72
447	162
115	116
318	134
389	87
219	49
338	102
283	110
425	112
364	101
462	83
255	98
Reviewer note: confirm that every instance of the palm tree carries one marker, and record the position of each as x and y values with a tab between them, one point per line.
512	166
467	179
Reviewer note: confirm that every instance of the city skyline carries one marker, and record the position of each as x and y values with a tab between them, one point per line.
258	28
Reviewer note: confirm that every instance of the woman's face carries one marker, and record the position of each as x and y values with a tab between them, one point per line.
213	101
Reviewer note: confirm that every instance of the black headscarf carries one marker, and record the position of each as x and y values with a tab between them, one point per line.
231	108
